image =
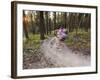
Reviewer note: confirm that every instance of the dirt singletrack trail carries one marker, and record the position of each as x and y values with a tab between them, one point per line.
63	56
50	55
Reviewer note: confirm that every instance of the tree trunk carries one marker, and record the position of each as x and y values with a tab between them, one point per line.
42	28
46	13
54	22
25	25
65	20
32	24
49	26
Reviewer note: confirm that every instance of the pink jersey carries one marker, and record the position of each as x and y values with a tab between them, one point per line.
61	33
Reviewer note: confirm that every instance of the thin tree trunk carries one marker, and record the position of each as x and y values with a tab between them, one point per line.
49	26
46	13
65	20
32	24
54	21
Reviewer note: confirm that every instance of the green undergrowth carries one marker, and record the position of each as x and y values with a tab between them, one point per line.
80	41
33	43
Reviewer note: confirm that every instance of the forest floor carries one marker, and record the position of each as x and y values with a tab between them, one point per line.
49	56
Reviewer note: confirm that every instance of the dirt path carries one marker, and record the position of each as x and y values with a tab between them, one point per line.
63	57
49	56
